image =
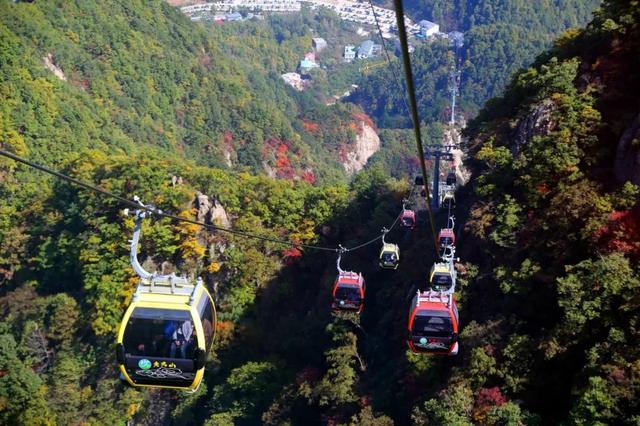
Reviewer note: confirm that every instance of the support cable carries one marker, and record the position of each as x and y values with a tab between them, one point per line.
152	210
402	33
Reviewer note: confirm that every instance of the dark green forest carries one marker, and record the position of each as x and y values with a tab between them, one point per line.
549	280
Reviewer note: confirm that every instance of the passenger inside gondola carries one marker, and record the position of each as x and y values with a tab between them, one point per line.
181	340
348	293
162	333
432	324
441	281
389	259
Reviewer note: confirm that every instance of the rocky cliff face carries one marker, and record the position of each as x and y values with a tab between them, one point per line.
627	165
51	66
536	122
452	137
367	143
211	211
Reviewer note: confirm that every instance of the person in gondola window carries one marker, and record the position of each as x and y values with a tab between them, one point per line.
180	339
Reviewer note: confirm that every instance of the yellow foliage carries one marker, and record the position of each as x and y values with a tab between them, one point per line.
192	248
213	267
189	246
72	36
132	409
128	289
306	231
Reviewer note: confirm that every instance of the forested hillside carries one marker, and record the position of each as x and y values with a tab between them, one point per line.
140	75
548	283
554	233
500	38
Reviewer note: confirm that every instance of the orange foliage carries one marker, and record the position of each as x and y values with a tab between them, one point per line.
224	332
486	399
310	126
542	188
621	233
362	117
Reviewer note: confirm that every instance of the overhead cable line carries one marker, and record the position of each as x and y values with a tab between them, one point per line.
158	212
404	48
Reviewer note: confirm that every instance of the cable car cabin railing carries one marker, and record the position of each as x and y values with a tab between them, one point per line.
169	285
434	296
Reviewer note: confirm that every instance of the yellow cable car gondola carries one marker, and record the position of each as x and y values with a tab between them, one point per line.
389	256
389	253
442	277
168	329
447	195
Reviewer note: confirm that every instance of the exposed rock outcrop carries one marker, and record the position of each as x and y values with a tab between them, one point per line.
204	206
51	66
270	171
452	137
218	215
627	165
211	211
536	122
367	143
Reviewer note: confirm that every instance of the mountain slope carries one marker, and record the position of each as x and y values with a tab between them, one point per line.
124	76
500	38
555	217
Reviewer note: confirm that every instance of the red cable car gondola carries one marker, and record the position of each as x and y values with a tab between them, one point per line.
408	219
348	289
348	292
433	324
446	238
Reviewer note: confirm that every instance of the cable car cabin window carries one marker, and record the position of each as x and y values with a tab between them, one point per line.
205	309
446	241
160	333
407	221
389	258
348	293
451	179
441	282
432	324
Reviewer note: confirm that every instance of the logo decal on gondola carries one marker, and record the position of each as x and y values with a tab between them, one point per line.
431	343
165	373
144	363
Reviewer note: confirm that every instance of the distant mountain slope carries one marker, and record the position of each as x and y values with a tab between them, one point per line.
126	76
501	36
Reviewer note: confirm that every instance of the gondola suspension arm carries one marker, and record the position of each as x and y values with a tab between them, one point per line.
146	277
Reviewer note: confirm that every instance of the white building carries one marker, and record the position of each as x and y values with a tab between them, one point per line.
349	53
348	10
369	49
428	28
306	66
319	44
280	6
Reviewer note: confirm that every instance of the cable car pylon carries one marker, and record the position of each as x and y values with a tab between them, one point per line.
438	152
